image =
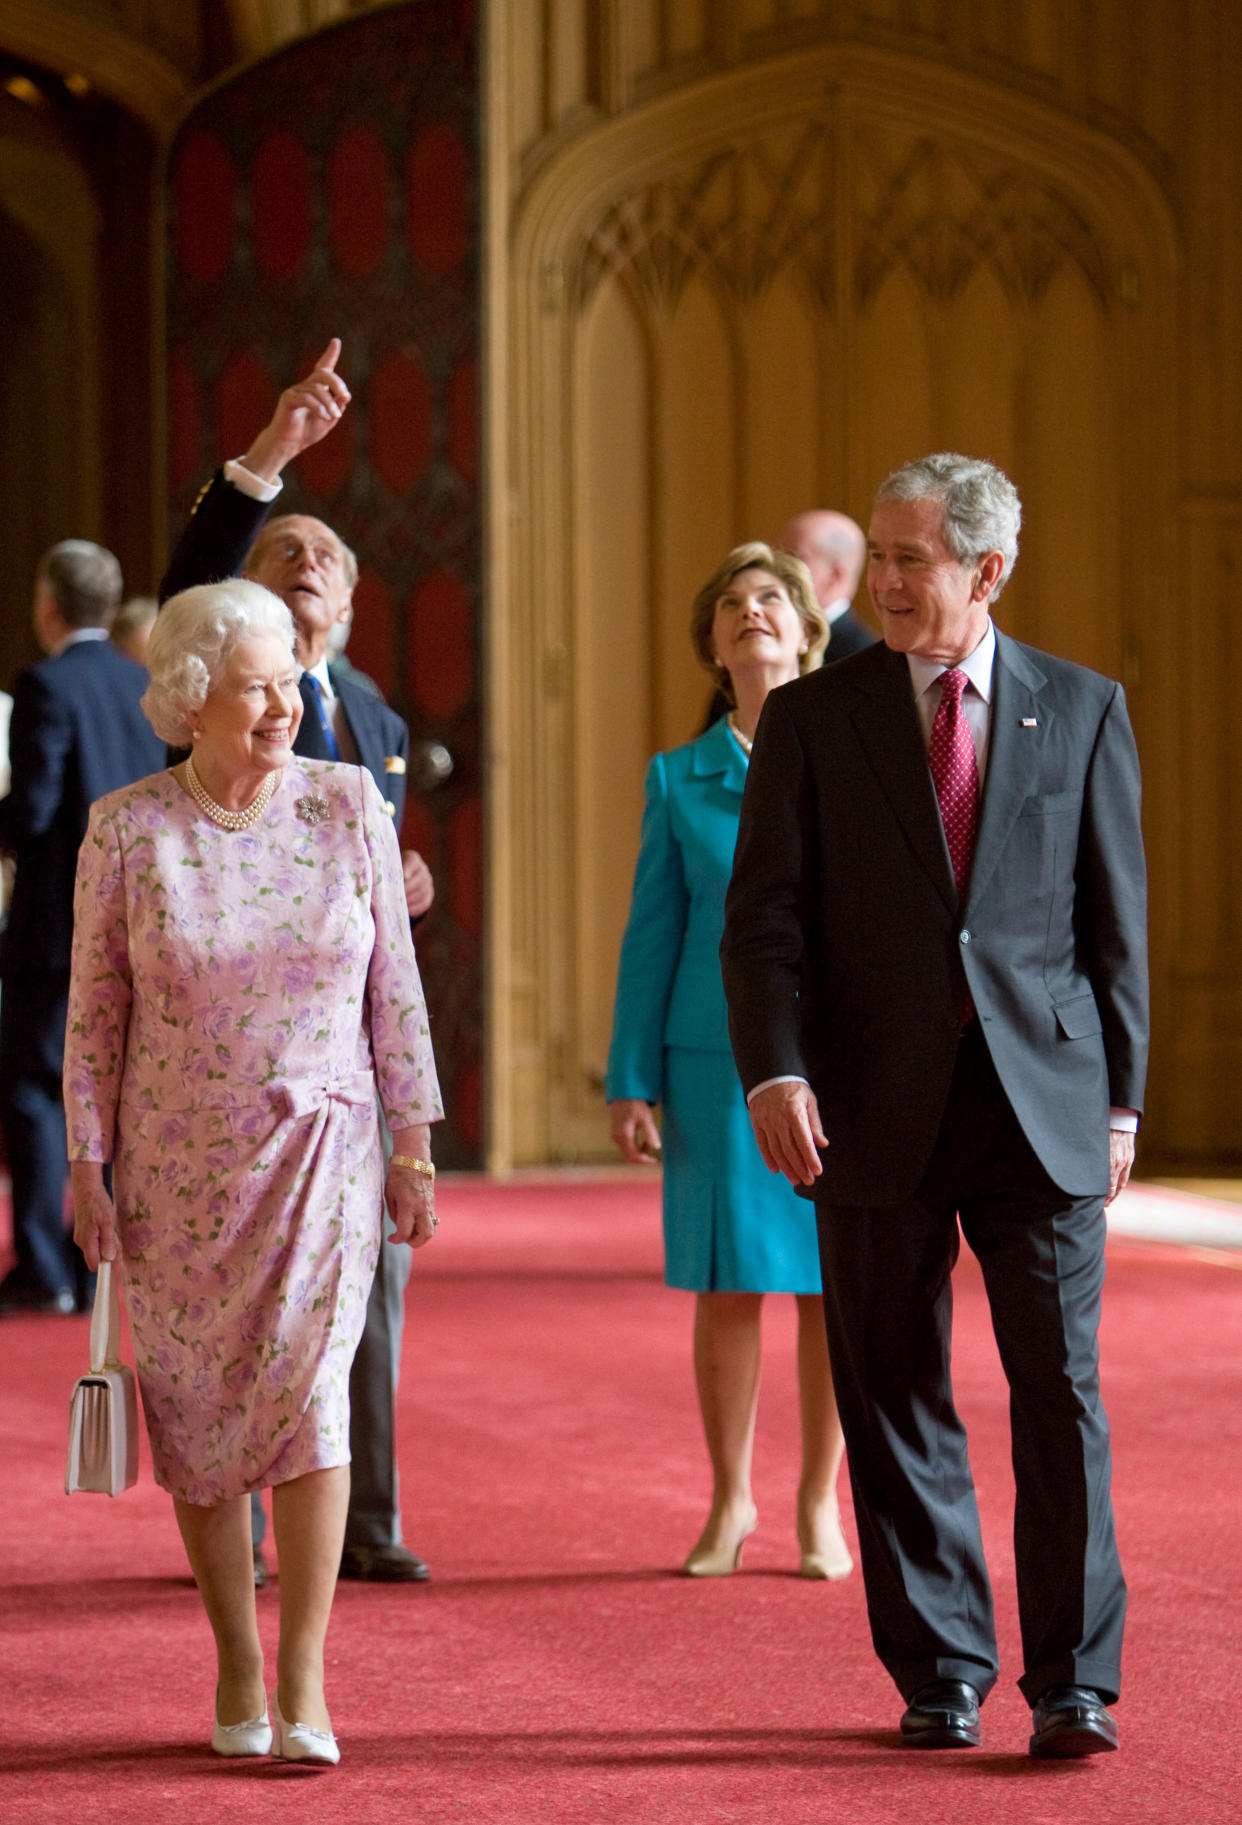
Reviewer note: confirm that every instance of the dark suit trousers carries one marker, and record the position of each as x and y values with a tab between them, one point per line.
888	1299
33	1011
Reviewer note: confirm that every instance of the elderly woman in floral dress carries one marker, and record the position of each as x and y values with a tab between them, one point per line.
243	982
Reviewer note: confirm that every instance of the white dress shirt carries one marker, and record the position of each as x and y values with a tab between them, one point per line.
925	676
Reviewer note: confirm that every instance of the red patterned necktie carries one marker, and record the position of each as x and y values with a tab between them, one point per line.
955	774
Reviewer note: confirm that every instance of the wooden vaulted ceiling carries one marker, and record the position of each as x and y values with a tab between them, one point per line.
151	56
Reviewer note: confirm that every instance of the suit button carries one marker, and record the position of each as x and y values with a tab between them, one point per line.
965	937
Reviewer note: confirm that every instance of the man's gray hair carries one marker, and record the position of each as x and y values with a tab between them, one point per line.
981	508
194	634
84	581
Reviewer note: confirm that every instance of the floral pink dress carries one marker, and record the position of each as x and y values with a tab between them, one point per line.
237	997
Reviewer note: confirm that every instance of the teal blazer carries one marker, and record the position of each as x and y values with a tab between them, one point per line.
669	990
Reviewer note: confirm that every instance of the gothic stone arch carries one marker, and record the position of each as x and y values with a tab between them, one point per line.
952	262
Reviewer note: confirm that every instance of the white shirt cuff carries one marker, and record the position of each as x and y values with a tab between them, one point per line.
248	483
789	1078
1123	1121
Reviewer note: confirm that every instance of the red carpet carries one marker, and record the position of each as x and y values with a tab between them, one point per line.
554	1670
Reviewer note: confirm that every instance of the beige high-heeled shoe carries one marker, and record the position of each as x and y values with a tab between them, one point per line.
828	1556
301	1743
718	1561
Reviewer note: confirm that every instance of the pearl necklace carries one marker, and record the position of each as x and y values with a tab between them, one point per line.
744	742
229	820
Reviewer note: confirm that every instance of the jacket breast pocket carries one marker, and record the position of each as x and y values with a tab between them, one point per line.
1046	804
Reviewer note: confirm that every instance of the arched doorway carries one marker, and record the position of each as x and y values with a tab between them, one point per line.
752	297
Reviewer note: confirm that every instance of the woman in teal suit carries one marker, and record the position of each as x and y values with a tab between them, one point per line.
732	1230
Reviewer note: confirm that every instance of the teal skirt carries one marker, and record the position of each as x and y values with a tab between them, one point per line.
730	1225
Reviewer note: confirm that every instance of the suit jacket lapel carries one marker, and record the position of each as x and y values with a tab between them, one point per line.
1020	725
888	728
354	703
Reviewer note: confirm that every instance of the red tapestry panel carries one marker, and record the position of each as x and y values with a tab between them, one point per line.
438	199
281	200
205	206
334	190
358	186
401	420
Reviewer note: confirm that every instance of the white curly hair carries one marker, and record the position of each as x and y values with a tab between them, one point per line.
194	634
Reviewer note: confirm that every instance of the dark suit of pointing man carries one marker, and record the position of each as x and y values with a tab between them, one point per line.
307	565
934	958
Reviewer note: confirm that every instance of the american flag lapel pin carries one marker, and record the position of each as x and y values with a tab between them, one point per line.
1030	722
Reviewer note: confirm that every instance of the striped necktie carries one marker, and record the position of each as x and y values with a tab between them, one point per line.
315	690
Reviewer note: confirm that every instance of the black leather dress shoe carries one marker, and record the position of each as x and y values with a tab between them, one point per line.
384	1565
1072	1720
943	1714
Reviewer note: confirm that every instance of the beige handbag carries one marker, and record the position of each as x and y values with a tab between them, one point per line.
103	1410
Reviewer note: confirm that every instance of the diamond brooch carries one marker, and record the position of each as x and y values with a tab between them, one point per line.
311	809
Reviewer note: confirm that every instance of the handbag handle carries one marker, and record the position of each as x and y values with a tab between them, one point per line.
105	1323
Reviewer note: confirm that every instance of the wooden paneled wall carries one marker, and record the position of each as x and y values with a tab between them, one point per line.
745	257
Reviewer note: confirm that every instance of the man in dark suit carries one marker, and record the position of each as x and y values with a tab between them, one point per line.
935	963
77	732
834	550
314	572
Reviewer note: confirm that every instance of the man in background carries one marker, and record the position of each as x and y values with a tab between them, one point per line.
313	571
77	732
834	550
131	630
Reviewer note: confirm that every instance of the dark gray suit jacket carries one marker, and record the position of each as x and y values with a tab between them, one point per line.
847	955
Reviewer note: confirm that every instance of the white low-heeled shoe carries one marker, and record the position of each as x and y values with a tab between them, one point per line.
254	1737
300	1742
